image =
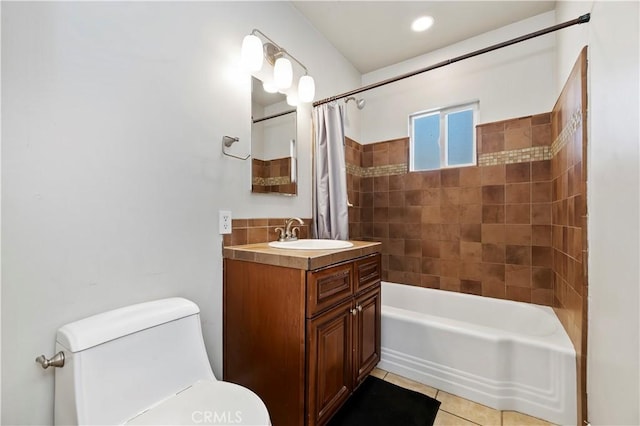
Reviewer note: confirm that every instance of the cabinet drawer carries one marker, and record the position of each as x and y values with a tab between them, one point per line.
367	272
327	287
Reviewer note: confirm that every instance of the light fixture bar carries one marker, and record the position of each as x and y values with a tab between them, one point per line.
280	50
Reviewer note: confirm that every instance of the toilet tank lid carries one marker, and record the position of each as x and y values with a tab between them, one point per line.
110	325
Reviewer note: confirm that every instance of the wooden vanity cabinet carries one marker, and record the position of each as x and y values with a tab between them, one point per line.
302	340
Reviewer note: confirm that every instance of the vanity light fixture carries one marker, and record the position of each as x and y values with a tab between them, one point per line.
422	23
254	51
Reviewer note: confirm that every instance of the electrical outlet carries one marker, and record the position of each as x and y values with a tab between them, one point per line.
224	221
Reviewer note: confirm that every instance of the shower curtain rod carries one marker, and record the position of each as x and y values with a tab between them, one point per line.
580	20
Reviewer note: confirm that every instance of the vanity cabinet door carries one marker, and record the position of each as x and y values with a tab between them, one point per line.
329	362
366	334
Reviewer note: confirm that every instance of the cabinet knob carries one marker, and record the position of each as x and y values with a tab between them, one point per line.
354	311
359	308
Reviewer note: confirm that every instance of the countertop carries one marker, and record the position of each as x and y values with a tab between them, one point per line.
300	259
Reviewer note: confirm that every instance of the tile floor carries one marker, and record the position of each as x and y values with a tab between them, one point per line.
456	411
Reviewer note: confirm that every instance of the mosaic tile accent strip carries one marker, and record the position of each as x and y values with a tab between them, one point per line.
388	170
269	181
567	133
524	155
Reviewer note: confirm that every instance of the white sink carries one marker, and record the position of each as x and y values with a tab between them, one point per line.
309	244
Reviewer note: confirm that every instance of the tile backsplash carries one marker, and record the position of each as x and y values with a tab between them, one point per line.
253	231
483	230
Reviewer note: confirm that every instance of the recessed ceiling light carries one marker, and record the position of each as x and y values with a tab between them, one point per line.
422	24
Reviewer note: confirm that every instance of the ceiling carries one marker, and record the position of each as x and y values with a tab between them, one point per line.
375	34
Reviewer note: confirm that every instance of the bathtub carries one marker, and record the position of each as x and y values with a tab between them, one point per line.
503	354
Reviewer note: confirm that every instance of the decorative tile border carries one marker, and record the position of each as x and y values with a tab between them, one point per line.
567	133
277	180
388	170
524	155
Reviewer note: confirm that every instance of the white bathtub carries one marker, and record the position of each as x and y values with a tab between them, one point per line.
507	355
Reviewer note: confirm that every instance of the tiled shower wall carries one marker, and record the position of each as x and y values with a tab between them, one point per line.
483	230
569	215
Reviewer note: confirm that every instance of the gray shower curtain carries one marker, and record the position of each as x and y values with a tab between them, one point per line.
330	212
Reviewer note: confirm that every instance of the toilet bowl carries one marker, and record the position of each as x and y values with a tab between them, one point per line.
146	364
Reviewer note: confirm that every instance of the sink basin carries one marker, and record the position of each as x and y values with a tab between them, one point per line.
309	244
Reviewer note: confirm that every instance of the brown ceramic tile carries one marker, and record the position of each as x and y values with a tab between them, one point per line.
541	235
519	294
381	230
518	172
430	248
430	179
450	250
450	177
257	235
493	214
367	159
541	213
493	253
381	183
396	182
431	214
493	194
517	193
493	273
470	251
413	197
449	213
518	234
517	275
470	213
252	223
471	287
517	123
542	296
450	284
497	126
413	215
449	268
471	270
430	266
380	199
518	255
492	142
471	195
398	153
517	138
493	233
450	196
366	185
396	198
541	256
469	176
431	232
541	192
450	232
471	232
541	135
544	118
412	181
540	170
495	290
541	278
518	213
431	197
492	175
381	214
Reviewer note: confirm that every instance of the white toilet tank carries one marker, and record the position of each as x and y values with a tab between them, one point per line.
123	361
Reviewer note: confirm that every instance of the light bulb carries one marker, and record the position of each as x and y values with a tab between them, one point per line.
422	24
292	99
269	87
306	88
252	53
283	73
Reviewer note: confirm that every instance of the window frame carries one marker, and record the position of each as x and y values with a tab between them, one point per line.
443	141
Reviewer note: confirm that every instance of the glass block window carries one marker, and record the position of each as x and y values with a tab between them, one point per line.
443	137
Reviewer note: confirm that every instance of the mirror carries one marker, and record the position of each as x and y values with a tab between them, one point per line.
273	142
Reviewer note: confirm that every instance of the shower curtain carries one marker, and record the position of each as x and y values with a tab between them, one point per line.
330	212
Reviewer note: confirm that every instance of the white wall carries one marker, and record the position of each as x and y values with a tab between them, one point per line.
512	82
613	190
112	172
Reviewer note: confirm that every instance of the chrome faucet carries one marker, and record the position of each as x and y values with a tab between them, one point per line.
289	233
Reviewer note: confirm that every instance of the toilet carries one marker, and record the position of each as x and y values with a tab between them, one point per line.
145	364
